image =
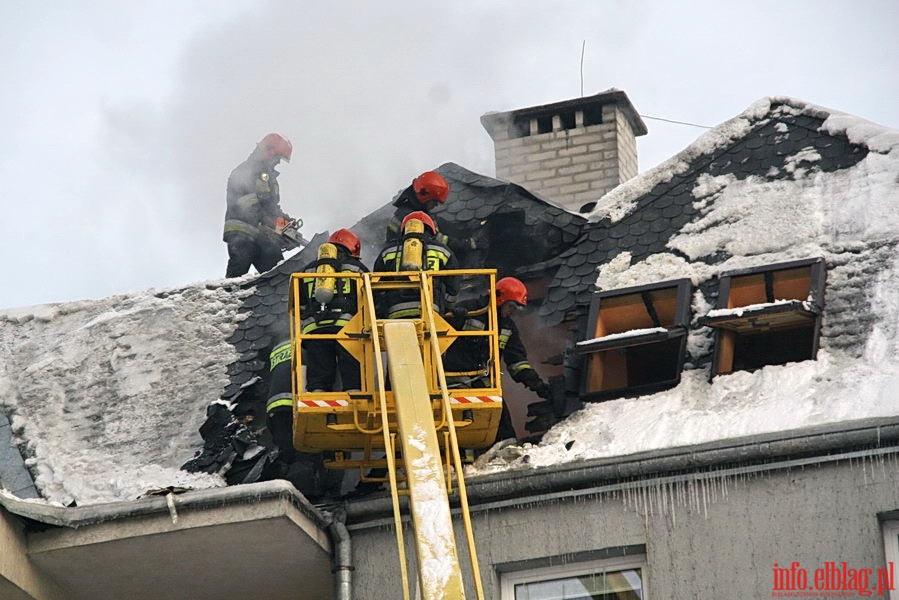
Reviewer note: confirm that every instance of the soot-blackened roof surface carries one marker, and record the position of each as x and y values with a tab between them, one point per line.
661	213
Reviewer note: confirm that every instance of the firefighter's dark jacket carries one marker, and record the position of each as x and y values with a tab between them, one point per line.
398	304
253	198
470	353
405	203
335	314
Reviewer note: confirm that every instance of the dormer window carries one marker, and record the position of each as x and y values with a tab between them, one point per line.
769	315
637	340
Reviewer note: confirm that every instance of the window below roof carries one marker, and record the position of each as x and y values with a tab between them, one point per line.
609	579
890	531
769	315
638	342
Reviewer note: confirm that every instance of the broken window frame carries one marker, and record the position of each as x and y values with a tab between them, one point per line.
738	312
510	580
668	336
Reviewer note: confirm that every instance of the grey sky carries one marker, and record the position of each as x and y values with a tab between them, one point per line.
121	121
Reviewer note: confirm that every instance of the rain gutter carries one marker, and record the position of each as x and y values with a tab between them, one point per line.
80	516
736	456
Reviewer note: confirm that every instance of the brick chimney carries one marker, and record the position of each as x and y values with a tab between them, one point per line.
571	152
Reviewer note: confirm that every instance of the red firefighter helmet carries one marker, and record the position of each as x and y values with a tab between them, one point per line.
509	289
347	239
430	186
274	145
420	216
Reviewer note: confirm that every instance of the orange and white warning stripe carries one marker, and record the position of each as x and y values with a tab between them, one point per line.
475	399
323	403
453	400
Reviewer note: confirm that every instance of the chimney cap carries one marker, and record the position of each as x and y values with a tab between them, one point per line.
492	120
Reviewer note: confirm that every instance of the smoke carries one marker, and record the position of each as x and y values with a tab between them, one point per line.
369	94
126	119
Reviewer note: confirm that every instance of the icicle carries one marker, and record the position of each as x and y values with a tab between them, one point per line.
705	500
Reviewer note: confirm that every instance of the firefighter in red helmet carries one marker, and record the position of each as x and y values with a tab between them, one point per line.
427	191
470	356
433	254
328	366
254	208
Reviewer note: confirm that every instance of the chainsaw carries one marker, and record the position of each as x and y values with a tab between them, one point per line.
289	234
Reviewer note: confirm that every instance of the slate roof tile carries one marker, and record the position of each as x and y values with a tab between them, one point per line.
584	269
617	233
243	346
254	333
251	301
483	211
556	295
595	234
236	336
242	378
659	224
648	239
266	320
466	214
262	343
638	227
664	201
672	211
564	272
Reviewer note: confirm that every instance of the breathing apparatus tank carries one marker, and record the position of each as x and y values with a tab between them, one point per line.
413	246
326	286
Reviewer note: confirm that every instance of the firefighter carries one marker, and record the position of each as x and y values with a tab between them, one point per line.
427	191
253	208
324	359
404	255
466	360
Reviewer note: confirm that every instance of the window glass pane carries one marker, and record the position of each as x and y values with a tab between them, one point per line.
612	585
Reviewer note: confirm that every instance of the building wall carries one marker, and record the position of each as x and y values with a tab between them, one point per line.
718	538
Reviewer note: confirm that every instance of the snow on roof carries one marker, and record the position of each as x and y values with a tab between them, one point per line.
105	397
620	201
852	212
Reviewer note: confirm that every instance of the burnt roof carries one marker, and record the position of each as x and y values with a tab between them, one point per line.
477	204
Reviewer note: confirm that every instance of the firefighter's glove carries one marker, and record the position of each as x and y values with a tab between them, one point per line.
543	390
537	409
459	312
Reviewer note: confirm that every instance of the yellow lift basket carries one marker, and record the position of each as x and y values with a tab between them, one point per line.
351	421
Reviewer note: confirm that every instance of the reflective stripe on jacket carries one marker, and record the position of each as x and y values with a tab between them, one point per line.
280	385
